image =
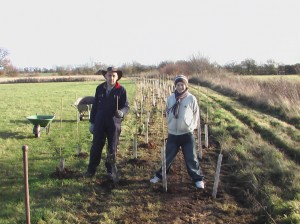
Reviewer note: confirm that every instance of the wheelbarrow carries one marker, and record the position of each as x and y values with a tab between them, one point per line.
40	122
84	106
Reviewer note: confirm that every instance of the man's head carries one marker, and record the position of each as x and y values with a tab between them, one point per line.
181	83
112	75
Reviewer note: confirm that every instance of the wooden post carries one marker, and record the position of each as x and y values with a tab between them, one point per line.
199	140
78	149
199	128
117	102
146	135
163	152
206	135
164	168
141	112
26	188
146	124
61	165
60	135
205	126
217	176
153	99
135	146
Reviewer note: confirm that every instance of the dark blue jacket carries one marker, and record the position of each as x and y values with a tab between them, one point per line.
105	107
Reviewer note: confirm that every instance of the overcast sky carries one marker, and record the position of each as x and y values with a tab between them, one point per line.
44	33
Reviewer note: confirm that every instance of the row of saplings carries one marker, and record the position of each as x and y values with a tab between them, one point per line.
152	96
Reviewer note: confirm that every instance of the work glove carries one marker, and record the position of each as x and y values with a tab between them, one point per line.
92	128
119	114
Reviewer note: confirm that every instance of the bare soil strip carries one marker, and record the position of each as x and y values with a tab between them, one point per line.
182	203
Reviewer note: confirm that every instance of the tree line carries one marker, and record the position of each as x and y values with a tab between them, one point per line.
196	64
250	67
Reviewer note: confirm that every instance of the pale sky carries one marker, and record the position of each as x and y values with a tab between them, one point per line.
46	33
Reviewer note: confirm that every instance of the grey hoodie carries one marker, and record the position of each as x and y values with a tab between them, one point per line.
188	116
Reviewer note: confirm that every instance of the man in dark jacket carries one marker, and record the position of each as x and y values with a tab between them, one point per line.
109	108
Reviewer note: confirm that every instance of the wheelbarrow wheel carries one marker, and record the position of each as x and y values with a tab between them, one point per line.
37	131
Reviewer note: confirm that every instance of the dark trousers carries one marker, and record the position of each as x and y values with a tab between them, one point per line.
187	143
112	134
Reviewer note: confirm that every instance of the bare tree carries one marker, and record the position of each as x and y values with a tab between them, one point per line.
6	65
3	55
200	64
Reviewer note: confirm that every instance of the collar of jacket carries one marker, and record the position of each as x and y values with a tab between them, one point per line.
117	86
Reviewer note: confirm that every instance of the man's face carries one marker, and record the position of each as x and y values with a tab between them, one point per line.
111	78
180	87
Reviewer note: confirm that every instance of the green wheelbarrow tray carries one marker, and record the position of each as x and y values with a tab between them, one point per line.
42	120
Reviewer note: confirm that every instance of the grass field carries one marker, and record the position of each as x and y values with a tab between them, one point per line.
260	180
18	102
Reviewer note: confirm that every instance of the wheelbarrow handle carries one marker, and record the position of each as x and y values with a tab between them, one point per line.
74	106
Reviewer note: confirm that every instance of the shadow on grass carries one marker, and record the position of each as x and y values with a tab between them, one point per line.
42	188
9	135
55	120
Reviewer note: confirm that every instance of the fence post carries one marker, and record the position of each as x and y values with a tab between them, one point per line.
26	188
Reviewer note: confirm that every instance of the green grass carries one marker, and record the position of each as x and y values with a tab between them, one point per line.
256	153
52	200
254	169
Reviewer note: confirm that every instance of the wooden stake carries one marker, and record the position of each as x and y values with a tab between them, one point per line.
135	146
61	165
206	106
147	120
153	99
26	187
78	149
117	102
206	135
217	176
61	109
199	128
163	152
199	140
141	112
146	136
